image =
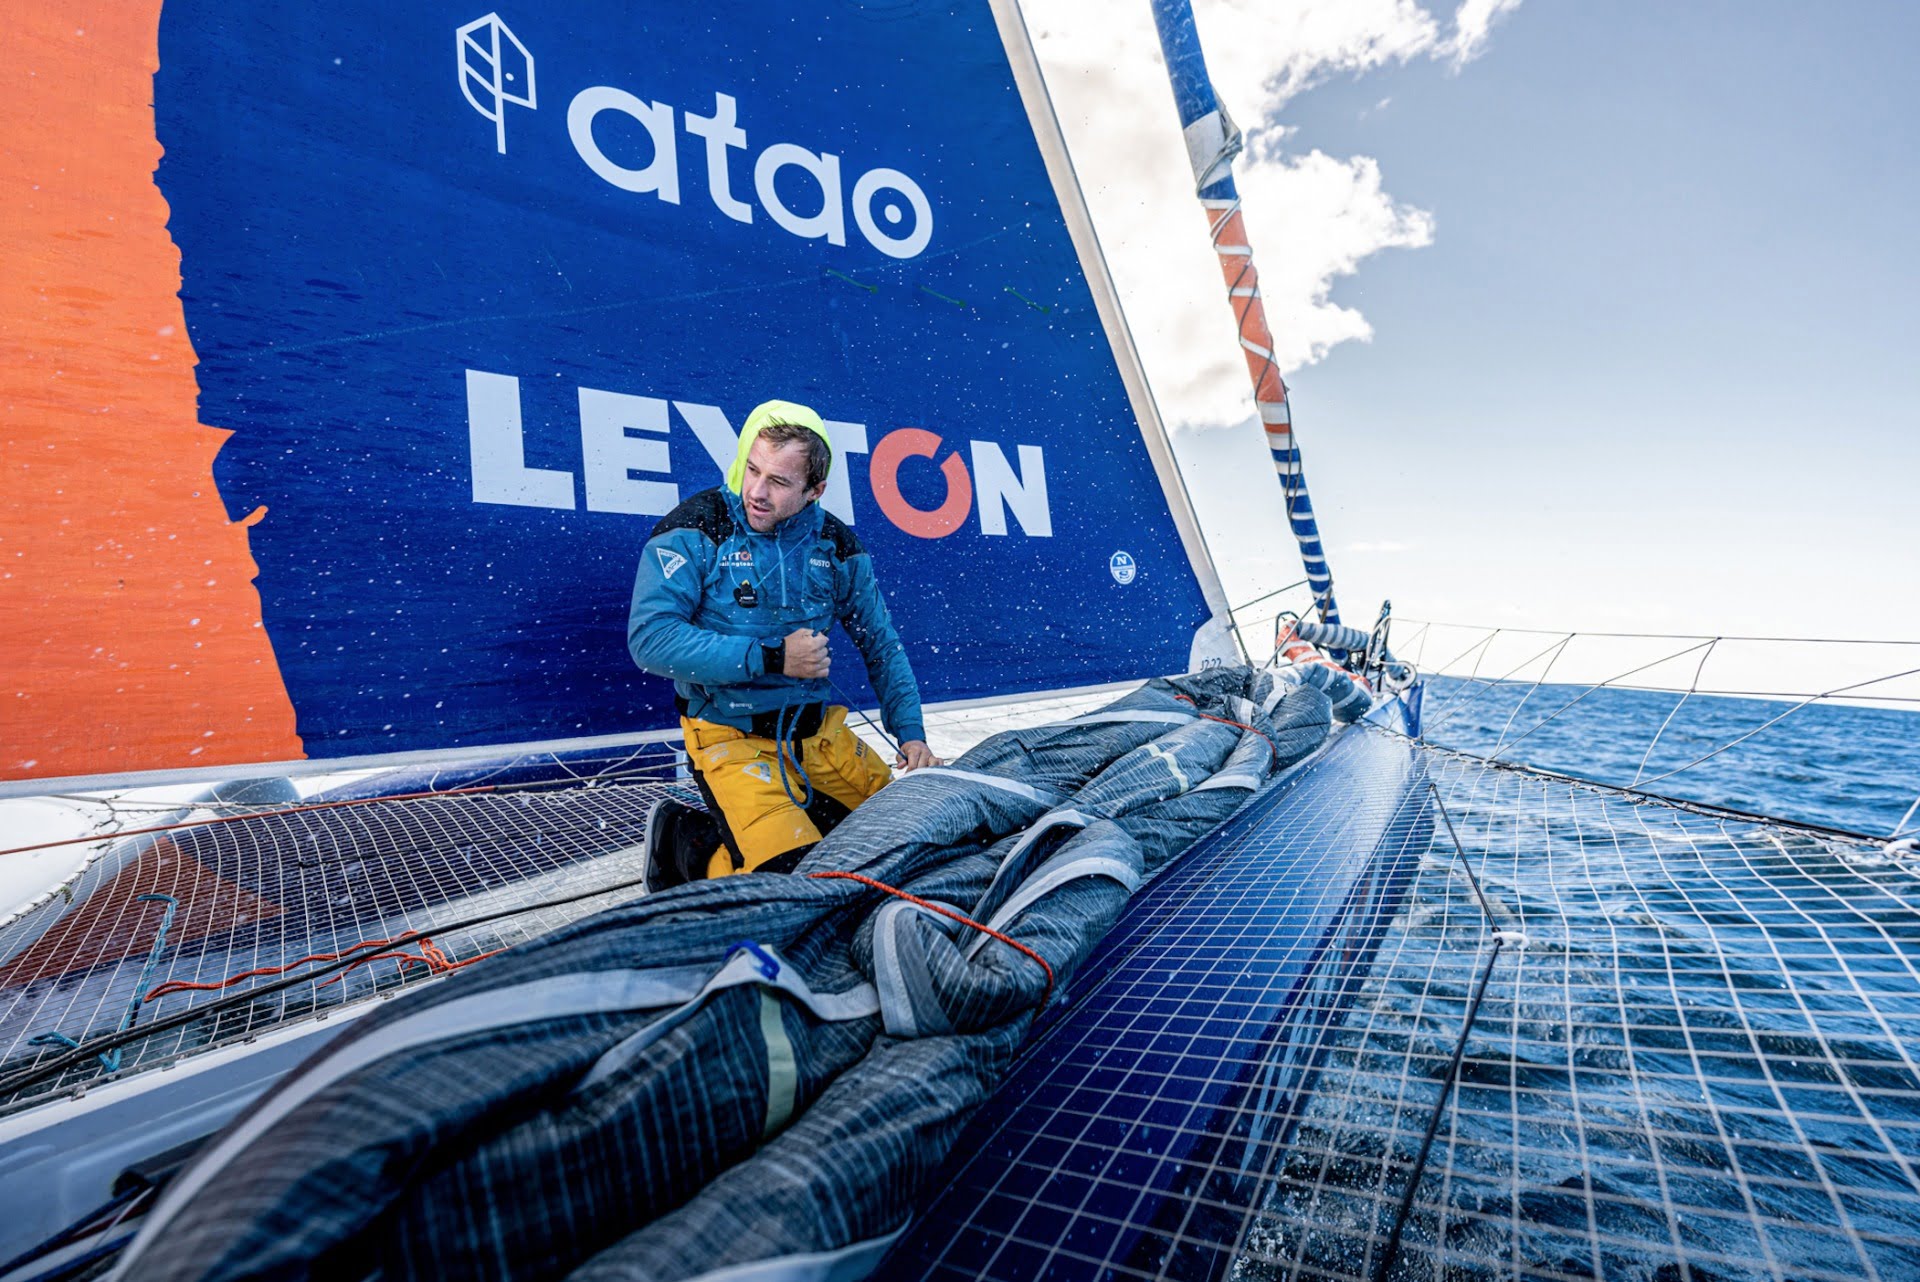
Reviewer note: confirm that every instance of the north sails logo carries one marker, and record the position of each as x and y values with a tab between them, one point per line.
669	561
492	60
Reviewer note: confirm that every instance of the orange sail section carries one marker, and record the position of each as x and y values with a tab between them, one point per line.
130	627
113	923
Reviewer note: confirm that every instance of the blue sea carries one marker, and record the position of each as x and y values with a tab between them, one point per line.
1699	1056
1856	768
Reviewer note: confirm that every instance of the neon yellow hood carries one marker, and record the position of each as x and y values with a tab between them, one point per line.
764	415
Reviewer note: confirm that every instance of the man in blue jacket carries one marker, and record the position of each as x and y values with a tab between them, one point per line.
735	593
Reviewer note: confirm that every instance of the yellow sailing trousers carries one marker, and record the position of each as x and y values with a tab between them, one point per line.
739	773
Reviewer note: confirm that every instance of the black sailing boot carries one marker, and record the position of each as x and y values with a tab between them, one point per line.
679	840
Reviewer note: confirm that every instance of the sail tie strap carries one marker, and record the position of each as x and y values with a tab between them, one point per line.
1228	721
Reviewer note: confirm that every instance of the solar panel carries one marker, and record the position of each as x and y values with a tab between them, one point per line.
1138	1126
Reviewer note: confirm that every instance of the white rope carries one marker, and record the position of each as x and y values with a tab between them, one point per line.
1904	820
1655	741
1776	720
1591	689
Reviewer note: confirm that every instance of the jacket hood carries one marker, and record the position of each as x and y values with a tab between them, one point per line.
765	415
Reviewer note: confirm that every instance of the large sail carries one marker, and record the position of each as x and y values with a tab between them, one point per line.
466	300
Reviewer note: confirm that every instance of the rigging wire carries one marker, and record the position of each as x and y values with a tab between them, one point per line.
1708	809
1246	605
1452	1075
1671	713
1492	683
13	1083
344	802
1460	703
1670	636
1905	819
1592	689
214	805
1532	690
1480	645
1776	720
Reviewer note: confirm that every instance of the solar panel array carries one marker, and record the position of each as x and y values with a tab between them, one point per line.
1694	1055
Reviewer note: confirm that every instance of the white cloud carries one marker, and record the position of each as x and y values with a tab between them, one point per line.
1380	545
1311	218
1473	24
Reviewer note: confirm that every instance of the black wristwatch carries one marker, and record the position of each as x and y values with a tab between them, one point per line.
775	656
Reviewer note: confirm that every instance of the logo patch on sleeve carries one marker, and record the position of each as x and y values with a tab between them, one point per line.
669	561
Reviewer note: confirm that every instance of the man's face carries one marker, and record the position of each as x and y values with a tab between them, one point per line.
775	485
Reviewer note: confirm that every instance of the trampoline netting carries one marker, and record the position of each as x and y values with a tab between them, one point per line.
1692	1055
216	919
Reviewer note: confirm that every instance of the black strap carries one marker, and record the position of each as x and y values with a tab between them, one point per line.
766	725
720	818
803	722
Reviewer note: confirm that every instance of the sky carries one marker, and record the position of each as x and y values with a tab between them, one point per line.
1594	317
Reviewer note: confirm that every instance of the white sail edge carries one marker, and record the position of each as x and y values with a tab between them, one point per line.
1215	641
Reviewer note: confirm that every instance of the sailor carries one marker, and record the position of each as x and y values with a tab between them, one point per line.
736	591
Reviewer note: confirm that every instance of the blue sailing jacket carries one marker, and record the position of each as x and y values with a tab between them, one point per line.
711	591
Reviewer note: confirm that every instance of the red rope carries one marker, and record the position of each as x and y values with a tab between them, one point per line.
1225	721
948	913
430	955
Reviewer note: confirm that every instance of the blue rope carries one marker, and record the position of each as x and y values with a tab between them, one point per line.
110	1060
787	735
153	957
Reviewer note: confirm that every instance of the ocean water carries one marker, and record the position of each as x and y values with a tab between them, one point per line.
1698	1059
1850	767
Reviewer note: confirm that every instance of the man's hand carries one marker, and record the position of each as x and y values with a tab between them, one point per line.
807	655
914	753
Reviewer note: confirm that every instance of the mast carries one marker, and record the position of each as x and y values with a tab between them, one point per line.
1213	140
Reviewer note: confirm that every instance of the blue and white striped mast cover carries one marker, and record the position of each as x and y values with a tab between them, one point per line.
1212	142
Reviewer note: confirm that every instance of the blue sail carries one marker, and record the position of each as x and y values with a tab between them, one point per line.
481	296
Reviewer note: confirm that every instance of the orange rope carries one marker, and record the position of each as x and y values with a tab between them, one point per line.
1225	721
430	955
949	913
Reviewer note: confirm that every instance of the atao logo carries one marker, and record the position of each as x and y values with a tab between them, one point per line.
496	71
492	60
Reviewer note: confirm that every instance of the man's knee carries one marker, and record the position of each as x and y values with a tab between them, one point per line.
740	777
842	764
